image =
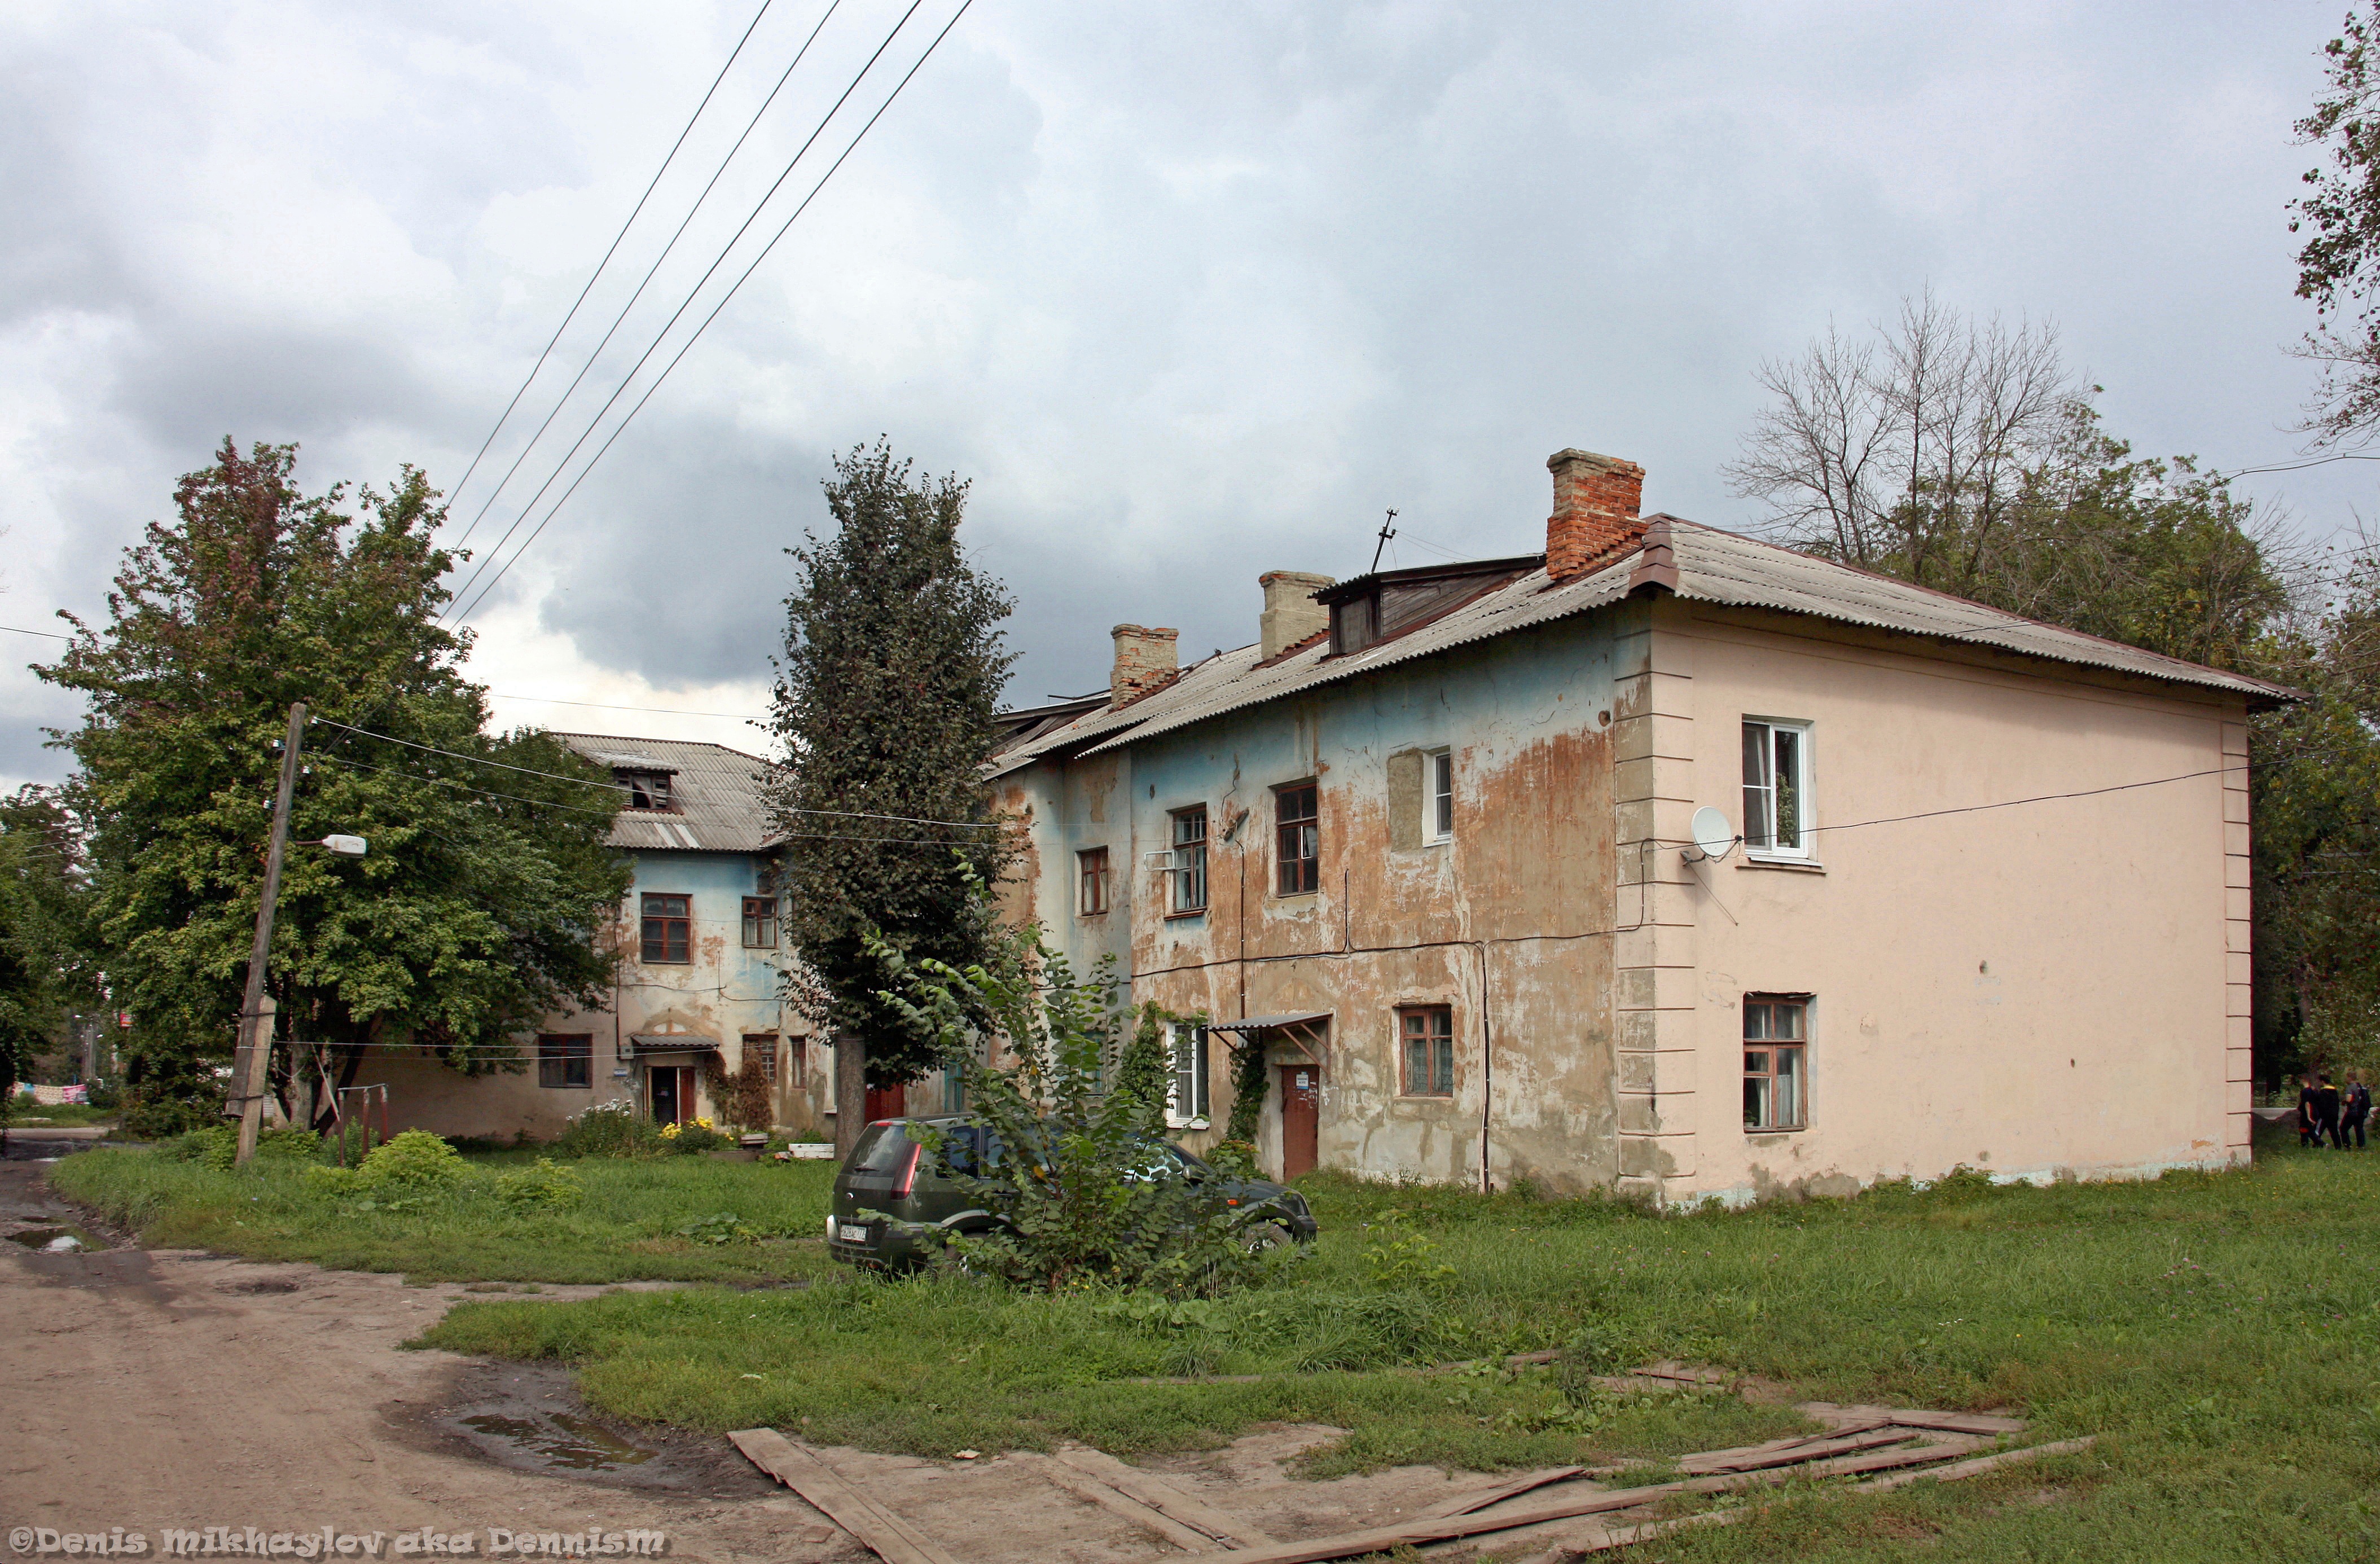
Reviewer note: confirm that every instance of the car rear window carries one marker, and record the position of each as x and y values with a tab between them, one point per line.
881	1149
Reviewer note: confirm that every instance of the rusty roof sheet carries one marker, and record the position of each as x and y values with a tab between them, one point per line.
1701	564
715	802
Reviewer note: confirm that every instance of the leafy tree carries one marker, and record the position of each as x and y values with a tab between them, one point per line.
1083	1187
481	903
1962	457
892	666
2317	809
44	967
2339	266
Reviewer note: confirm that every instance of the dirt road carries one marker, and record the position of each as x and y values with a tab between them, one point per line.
150	1389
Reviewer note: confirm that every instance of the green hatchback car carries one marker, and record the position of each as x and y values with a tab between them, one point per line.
891	1172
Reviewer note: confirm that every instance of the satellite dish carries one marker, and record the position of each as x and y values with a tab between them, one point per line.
1714	838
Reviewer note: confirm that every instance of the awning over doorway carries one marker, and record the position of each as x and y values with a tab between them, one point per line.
1308	1031
665	1042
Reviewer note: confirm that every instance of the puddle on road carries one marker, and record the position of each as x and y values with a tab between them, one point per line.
562	1441
62	1240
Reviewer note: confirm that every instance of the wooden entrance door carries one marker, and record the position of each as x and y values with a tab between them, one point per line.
673	1093
1301	1122
887	1103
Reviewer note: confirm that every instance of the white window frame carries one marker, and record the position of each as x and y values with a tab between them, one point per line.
1187	863
1437	797
1759	799
1188	1078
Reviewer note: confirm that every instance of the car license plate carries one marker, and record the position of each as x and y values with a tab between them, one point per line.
855	1232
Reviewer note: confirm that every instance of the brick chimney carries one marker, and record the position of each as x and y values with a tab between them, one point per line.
1596	501
1289	611
1144	659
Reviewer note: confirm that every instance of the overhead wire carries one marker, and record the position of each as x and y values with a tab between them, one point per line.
596	353
592	278
460	615
20	630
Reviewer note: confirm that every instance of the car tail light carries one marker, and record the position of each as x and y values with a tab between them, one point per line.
908	1180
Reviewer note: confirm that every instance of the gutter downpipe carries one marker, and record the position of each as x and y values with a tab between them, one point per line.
1486	1069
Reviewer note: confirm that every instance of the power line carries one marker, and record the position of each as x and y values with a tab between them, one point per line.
651	273
50	634
615	787
660	337
600	264
2294	466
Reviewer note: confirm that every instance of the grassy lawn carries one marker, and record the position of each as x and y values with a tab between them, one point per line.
626	1229
2220	1333
33	1115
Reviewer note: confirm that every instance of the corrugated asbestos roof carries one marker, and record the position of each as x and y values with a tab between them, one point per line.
715	803
1701	564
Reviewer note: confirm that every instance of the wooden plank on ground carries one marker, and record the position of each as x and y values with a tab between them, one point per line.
881	1532
1419	1531
1979	1465
1593	1538
1480	1498
1162	1497
1754	1459
1082	1484
1913	1417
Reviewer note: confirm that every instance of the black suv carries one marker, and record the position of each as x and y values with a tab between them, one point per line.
891	1172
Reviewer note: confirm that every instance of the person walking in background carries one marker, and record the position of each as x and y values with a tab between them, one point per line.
2307	1134
2325	1110
2354	1109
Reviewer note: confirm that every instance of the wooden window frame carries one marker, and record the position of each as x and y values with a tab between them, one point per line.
763	1047
649	792
1435	1056
1771	1058
1091	871
1186	897
681	920
1297	839
557	1052
759	923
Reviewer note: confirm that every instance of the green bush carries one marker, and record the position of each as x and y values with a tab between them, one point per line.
158	1116
612	1129
416	1160
288	1143
544	1186
215	1146
692	1138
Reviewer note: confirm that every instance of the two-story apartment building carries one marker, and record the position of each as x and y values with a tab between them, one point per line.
1981	896
697	991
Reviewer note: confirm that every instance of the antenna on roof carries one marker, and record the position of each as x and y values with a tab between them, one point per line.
1386	532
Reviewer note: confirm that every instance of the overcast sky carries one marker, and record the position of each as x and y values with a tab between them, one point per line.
1189	291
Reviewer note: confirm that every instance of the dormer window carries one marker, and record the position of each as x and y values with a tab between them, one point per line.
1387	603
645	789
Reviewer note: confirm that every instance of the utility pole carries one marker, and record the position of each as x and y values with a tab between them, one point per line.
254	1070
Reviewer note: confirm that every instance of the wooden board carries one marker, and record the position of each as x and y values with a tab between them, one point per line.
1754	1458
1162	1497
883	1533
1978	1466
1422	1530
1082	1484
1480	1498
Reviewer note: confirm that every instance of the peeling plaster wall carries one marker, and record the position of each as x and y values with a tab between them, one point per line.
726	993
1521	898
2051	989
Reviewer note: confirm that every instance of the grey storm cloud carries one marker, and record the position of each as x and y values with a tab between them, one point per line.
1189	292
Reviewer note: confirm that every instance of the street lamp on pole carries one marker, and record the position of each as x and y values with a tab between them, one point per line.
251	1070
